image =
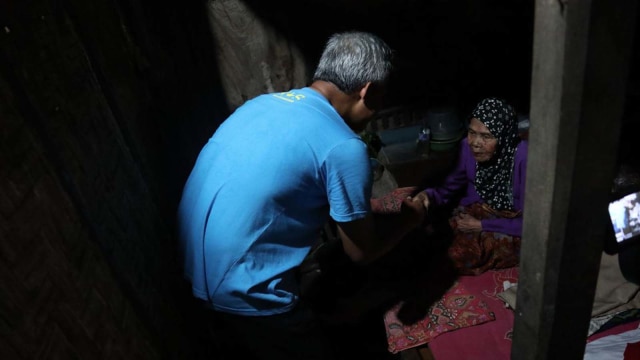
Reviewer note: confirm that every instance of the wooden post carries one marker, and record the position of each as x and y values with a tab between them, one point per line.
580	64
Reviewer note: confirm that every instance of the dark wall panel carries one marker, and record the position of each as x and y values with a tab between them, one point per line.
59	296
89	112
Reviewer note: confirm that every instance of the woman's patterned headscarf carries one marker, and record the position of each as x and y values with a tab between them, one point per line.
494	177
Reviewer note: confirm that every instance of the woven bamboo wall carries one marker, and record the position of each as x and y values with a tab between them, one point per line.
87	257
59	298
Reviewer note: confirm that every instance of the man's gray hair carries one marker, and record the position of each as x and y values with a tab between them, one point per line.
353	58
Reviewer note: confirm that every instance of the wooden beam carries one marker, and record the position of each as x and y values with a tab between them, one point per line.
581	55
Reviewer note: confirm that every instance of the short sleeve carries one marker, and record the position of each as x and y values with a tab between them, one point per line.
348	180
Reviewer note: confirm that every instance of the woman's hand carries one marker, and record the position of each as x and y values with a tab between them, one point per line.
423	198
467	223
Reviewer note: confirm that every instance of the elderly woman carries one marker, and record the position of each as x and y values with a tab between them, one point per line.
487	186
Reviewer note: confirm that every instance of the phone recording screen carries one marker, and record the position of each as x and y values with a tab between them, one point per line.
625	216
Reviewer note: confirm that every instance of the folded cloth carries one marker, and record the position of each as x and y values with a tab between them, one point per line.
458	308
614	293
509	296
390	203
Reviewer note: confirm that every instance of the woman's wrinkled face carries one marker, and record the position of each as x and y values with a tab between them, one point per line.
482	143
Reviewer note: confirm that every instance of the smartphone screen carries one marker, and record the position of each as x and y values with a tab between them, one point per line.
625	217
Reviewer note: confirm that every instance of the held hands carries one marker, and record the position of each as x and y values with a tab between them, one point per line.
423	198
467	223
413	210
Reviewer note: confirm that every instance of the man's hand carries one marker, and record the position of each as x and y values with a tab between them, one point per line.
467	223
423	198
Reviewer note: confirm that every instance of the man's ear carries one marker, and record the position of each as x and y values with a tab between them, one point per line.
373	95
364	89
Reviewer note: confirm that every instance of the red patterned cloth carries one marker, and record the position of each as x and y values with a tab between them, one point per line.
458	308
476	252
491	340
390	203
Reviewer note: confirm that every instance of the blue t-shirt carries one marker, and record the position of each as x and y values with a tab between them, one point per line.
259	193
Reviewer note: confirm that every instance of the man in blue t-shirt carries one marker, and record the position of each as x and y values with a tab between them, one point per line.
264	185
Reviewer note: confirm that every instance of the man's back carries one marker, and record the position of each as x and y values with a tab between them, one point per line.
259	192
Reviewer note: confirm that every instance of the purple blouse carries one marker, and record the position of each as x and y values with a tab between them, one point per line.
464	175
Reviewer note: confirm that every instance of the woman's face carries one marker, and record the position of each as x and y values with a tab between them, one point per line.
482	143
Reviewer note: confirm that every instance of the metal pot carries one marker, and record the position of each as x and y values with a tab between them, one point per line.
444	123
